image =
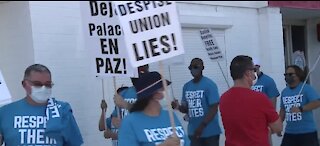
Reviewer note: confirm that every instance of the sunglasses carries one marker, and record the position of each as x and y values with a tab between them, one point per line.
194	67
38	84
254	69
289	74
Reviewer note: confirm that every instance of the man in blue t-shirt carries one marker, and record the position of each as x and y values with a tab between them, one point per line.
38	119
297	109
265	84
200	100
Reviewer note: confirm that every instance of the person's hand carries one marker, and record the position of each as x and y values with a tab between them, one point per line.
103	104
171	141
119	101
279	134
295	109
175	104
199	131
116	122
186	117
107	133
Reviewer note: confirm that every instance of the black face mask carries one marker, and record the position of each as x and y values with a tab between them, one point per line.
289	80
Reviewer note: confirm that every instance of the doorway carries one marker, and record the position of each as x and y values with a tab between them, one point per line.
295	49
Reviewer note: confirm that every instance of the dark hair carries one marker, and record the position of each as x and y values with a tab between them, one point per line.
239	65
36	68
197	60
299	72
140	104
120	89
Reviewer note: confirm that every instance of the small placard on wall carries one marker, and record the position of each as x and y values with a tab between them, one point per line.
5	96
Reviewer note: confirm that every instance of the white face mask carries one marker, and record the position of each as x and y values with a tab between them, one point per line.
40	95
256	78
163	102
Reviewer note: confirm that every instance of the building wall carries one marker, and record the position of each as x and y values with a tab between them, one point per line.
244	4
313	53
16	49
248	31
57	43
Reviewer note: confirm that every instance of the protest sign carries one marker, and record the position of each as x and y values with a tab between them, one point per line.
152	30
5	96
211	45
103	36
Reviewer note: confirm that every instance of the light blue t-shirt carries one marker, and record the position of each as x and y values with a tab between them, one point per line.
25	124
266	84
108	122
130	96
139	129
199	96
298	122
110	125
113	129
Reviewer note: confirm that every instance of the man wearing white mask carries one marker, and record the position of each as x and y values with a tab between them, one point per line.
38	119
247	116
265	84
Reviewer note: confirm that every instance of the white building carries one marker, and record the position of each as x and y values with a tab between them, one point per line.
50	33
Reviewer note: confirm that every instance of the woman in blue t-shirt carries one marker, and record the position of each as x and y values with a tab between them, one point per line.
297	108
148	124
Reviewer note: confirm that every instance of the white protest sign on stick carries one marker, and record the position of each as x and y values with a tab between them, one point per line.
152	30
211	45
103	36
5	96
152	33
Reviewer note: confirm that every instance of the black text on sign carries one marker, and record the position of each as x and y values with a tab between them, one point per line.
154	47
111	65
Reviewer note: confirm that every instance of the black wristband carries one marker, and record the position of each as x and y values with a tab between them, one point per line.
301	108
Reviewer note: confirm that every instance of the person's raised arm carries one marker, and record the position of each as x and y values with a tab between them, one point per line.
102	119
120	102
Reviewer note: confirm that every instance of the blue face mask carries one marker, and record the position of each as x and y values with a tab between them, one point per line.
289	80
195	72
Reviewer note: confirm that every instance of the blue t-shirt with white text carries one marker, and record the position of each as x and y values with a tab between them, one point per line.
24	124
139	129
199	97
301	122
266	84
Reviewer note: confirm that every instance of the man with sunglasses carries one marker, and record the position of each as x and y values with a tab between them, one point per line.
200	100
27	121
265	84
